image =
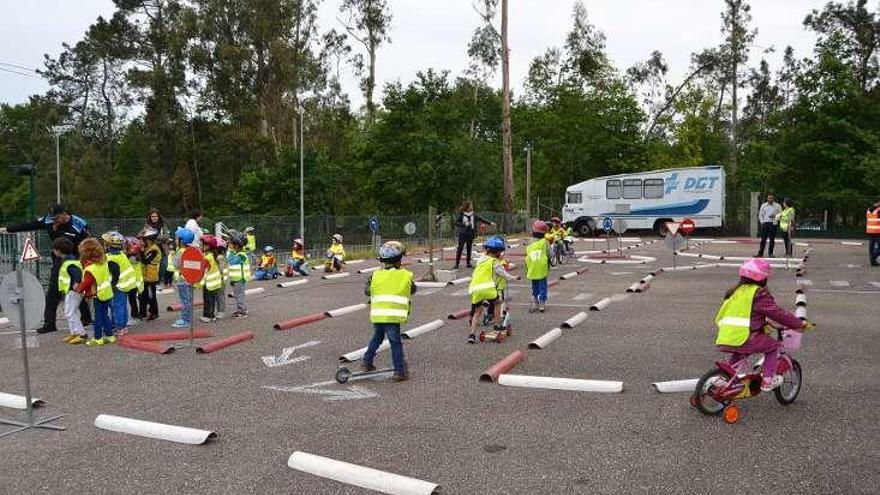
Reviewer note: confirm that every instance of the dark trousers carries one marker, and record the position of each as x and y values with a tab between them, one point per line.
54	298
873	249
789	246
391	331
148	300
210	298
133	298
464	243
768	230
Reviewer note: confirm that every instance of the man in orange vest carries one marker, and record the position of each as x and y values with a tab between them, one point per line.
872	228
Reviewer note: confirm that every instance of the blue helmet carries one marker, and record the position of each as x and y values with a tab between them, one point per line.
391	252
186	236
268	249
495	243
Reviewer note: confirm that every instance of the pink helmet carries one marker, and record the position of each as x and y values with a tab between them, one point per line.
756	269
539	227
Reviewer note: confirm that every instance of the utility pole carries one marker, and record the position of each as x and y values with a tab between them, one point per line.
507	158
57	131
528	181
302	221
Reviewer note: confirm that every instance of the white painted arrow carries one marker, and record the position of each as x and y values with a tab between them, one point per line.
284	358
351	393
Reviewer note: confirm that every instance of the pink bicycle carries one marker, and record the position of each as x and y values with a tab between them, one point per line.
718	390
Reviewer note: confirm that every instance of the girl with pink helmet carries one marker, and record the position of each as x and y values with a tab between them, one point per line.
743	320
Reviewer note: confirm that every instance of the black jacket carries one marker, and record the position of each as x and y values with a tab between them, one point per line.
465	232
76	229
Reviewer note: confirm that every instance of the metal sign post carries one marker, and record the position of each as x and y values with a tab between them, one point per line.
607	226
374	229
24	292
673	239
193	270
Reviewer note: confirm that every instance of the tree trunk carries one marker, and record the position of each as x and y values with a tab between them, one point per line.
507	157
371	83
733	121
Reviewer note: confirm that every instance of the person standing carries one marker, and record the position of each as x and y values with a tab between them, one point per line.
872	228
58	223
767	218
786	226
466	229
193	226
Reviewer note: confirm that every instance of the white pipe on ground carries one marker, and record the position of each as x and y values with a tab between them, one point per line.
553	383
430	285
569	275
359	354
460	281
800	300
369	270
293	282
423	329
574	320
801	312
544	340
364	477
336	275
345	310
675	386
19	401
600	304
149	429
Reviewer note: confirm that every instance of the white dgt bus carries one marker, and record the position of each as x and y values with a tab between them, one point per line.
647	200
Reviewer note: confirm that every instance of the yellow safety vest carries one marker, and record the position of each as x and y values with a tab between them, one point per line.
735	316
785	219
483	286
101	273
251	244
872	224
337	250
126	280
64	277
240	272
138	276
390	290
212	279
537	261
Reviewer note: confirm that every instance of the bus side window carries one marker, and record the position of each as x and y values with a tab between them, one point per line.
653	188
612	189
575	198
632	188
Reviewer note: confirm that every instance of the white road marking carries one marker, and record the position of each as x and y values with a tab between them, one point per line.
583	296
549	304
875	284
350	393
621	273
839	283
832	291
284	358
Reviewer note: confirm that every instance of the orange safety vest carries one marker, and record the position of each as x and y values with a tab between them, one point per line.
872	226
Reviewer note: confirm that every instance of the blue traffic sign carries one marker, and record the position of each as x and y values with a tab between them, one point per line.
607	224
374	224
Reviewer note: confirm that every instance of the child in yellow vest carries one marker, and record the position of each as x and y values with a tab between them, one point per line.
487	285
96	284
297	265
335	255
212	280
133	249
69	277
538	266
122	279
150	260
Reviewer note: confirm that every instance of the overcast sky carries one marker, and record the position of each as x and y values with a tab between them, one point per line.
434	33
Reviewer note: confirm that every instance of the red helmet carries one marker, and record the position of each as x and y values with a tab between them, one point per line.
133	246
209	241
540	227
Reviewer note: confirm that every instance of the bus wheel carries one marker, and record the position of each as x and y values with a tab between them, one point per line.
660	226
584	228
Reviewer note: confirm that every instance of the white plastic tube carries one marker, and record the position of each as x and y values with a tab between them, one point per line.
149	429
4	321
675	386
424	260
293	282
544	340
848	243
359	354
354	262
677	268
345	310
19	401
800	300
574	320
706	265
569	275
460	281
553	383
801	312
430	285
688	255
255	290
336	275
634	287
422	329
647	279
364	477
600	304
169	290
369	270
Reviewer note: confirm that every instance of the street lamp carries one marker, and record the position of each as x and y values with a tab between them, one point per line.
29	171
57	131
302	229
528	150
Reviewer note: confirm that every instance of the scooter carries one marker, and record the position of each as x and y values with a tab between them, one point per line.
344	374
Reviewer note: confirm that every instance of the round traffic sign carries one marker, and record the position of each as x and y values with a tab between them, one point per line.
607	224
192	263
374	224
410	228
31	295
687	226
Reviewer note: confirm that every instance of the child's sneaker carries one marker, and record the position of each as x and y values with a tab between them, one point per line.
95	342
180	324
151	318
219	315
397	377
110	339
768	384
207	319
134	321
542	307
368	367
239	314
68	338
77	339
472	339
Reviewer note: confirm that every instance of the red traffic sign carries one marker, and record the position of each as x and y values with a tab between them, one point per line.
192	265
688	226
29	253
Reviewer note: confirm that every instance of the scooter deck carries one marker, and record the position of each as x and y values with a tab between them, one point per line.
344	374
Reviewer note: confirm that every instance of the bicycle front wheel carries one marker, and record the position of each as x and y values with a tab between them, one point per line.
792	379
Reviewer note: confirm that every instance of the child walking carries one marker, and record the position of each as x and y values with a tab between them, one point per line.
297	265
97	285
212	280
69	278
239	271
487	285
223	266
185	238
122	279
150	260
538	266
742	321
389	290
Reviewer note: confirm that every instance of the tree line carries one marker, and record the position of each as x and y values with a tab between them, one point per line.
179	104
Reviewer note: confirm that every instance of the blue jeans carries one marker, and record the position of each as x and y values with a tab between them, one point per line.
380	332
102	324
299	266
119	309
185	292
539	290
874	248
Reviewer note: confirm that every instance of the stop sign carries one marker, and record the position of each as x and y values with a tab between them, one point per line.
688	226
192	265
